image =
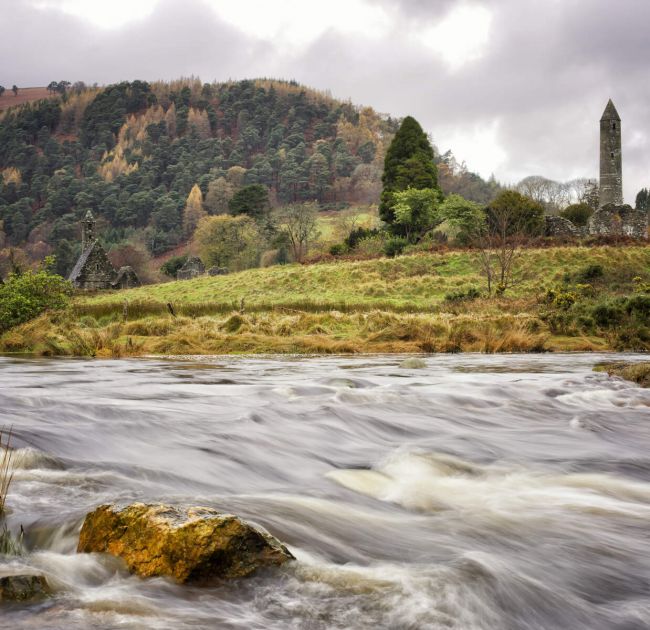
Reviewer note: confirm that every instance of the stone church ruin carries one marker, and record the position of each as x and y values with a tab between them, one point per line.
93	270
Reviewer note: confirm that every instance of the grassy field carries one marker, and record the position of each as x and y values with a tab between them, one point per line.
405	304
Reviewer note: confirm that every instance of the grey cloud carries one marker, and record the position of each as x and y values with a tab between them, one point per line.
178	39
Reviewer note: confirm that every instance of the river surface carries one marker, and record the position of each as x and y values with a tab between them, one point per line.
477	493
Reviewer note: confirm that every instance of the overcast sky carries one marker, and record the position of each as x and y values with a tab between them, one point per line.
514	87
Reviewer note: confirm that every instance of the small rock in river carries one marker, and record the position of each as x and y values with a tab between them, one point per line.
198	545
413	363
21	588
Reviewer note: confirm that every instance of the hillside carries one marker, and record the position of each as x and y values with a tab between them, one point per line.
132	152
571	298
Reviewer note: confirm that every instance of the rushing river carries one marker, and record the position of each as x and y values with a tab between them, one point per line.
478	493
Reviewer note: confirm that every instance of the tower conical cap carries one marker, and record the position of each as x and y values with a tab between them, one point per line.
610	112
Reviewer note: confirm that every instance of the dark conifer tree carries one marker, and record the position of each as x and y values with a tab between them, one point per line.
408	164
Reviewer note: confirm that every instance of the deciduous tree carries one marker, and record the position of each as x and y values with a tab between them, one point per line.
193	211
300	223
416	211
227	241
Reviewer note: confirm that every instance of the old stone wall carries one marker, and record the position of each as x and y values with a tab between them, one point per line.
619	220
559	227
192	268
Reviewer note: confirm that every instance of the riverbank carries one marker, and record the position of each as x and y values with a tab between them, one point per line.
566	299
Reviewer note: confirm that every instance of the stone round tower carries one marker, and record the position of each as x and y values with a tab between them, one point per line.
87	231
611	163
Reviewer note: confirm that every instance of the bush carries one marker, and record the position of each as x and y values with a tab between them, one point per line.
590	272
565	300
371	246
638	306
27	295
395	246
607	315
338	250
472	293
353	238
577	213
170	267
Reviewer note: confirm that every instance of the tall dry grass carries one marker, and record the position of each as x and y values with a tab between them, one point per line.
6	467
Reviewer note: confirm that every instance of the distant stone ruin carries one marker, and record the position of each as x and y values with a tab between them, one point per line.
613	217
559	227
619	220
126	278
93	270
218	271
192	268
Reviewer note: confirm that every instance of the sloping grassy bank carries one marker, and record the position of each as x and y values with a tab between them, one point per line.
570	298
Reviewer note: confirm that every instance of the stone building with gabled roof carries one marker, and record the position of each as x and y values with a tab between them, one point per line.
93	270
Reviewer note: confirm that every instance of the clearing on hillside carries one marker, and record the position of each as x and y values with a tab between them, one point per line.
25	95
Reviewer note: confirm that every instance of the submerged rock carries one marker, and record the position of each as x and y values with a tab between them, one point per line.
413	363
197	545
21	588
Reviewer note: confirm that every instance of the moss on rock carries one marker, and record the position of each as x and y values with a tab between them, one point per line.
194	545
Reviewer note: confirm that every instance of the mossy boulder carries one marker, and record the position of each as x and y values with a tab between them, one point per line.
193	545
22	588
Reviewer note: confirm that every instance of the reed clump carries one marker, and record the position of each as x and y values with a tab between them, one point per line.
638	373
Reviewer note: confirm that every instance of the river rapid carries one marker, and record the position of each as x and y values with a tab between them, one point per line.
477	493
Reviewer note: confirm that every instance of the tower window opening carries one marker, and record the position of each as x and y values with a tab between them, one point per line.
612	154
614	126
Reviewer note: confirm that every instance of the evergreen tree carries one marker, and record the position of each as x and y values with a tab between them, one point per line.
643	200
409	163
252	200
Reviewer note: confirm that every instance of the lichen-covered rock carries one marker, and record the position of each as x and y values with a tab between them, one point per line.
197	545
21	588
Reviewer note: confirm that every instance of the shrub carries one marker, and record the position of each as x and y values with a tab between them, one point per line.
170	267
606	315
338	250
638	306
461	295
590	272
371	246
577	213
395	246
25	296
353	238
565	300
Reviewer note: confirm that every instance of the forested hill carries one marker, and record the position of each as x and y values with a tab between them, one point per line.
132	152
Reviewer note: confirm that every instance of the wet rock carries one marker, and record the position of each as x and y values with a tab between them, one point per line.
194	545
413	363
21	588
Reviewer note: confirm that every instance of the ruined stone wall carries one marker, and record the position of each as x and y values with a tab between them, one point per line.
619	220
